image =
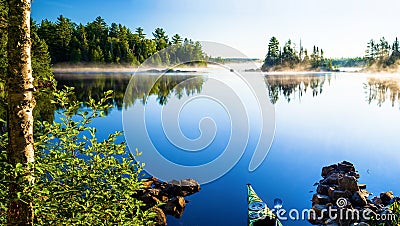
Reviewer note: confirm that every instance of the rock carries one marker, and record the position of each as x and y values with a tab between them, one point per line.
362	186
328	169
359	199
320	199
376	200
354	174
348	183
153	192
319	210
171	194
322	189
149	200
160	219
175	206
164	198
331	222
333	178
336	194
315	215
341	181
148	182
190	186
386	197
182	188
346	167
372	206
330	191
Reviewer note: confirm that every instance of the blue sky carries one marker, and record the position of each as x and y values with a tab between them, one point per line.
341	27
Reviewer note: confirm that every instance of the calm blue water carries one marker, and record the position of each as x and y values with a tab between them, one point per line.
320	119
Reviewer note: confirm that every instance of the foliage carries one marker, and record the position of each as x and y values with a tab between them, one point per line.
289	57
395	208
96	42
80	180
381	54
349	62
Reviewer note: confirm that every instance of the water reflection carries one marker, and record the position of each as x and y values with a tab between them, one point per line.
289	85
95	85
380	90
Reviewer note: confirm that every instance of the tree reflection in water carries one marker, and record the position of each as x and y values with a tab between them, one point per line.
380	90
141	88
291	85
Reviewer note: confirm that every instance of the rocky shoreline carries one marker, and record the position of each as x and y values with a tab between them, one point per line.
341	200
167	198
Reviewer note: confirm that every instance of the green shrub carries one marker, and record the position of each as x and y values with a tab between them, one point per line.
79	180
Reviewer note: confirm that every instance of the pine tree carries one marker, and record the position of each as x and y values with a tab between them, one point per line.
176	39
370	53
395	52
160	38
272	57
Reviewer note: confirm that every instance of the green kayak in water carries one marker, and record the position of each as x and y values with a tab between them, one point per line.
258	211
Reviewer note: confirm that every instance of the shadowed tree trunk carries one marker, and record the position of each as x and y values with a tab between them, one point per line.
20	106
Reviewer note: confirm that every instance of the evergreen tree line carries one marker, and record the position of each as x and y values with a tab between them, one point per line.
288	57
96	42
382	53
41	67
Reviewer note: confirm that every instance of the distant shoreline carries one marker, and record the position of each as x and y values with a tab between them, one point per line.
120	68
115	68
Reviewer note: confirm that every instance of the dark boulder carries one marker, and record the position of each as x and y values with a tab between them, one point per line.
359	199
362	186
332	178
320	199
328	169
175	206
322	189
336	194
376	200
184	187
386	197
348	183
346	167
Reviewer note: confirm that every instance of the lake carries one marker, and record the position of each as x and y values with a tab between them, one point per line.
320	119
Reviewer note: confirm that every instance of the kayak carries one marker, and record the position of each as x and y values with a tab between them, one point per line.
258	211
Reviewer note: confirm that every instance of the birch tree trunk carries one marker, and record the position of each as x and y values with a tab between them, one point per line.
20	106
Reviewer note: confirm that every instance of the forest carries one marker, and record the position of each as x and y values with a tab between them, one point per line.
378	55
381	54
97	42
287	57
